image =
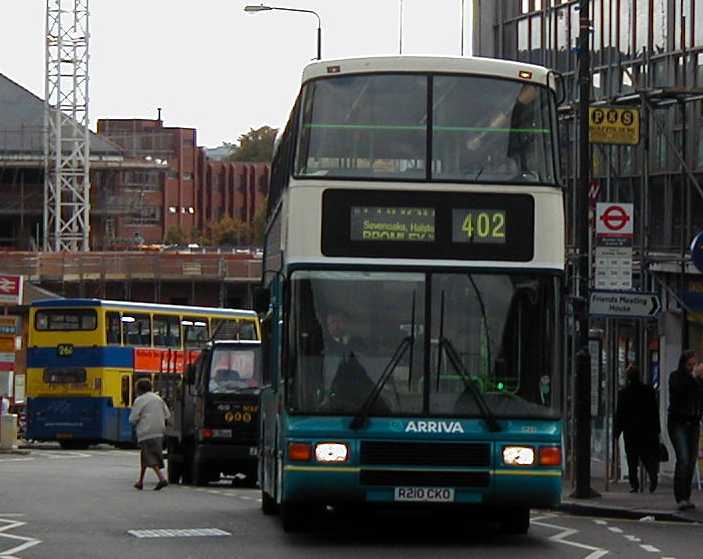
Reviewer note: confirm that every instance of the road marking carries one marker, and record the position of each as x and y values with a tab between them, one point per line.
179	533
649	548
601	522
15	460
633	539
616	530
597	552
11	525
66	455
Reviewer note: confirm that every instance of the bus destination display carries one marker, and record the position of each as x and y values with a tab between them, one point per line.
392	224
478	226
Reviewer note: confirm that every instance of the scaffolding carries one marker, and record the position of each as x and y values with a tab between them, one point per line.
67	137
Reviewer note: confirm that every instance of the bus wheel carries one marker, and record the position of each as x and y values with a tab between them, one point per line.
268	504
174	468
516	521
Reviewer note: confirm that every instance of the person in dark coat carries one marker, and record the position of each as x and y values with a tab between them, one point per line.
637	418
685	410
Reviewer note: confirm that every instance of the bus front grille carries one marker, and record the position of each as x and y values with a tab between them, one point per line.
398	478
389	453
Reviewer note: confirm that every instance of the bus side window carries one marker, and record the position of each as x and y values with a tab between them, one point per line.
125	390
247	330
195	332
167	331
136	329
112	328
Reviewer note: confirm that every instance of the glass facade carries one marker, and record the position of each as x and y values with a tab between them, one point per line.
637	45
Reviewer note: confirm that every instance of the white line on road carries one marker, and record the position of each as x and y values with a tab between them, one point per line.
15	460
180	533
567	532
649	548
616	530
601	522
633	539
11	525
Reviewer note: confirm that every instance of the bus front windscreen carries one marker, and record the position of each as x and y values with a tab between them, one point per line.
481	130
483	340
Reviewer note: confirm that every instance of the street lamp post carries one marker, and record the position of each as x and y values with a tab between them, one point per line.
252	9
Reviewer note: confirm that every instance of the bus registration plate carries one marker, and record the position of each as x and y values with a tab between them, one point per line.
425	494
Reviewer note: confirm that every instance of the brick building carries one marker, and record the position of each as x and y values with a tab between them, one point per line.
185	191
146	179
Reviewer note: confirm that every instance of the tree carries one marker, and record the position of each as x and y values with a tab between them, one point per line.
229	231
175	236
258	228
255	145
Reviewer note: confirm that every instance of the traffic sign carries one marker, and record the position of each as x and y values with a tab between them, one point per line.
611	125
624	304
10	289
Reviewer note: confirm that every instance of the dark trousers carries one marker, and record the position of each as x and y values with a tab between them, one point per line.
684	439
636	449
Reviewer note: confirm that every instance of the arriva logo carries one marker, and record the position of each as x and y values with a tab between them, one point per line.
434	427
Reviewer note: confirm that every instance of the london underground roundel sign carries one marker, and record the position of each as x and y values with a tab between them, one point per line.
614	220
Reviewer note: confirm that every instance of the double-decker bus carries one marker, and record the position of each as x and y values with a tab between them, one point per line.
84	357
414	263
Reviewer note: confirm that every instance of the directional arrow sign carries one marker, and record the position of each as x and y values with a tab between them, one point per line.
624	304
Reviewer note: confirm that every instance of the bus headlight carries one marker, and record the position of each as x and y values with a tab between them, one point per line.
331	452
518	455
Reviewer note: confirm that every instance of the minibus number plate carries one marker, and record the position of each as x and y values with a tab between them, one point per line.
425	494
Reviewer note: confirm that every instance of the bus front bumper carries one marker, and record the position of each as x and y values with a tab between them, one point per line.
498	488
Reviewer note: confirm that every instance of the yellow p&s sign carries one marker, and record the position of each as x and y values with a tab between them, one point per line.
614	125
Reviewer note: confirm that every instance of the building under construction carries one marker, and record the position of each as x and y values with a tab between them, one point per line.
646	55
149	184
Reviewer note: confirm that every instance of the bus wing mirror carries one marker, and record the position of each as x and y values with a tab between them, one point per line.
190	374
262	300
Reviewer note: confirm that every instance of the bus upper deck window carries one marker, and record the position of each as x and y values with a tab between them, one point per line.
112	328
195	332
136	329
247	330
66	320
167	331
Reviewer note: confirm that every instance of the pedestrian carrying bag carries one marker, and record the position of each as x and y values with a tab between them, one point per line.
663	453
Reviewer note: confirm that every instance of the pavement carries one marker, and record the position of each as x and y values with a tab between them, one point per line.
618	502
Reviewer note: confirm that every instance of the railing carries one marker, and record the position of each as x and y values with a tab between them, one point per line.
121	266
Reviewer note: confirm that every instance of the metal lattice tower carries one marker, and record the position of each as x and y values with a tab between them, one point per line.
67	137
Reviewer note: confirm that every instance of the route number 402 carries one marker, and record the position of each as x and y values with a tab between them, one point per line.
486	226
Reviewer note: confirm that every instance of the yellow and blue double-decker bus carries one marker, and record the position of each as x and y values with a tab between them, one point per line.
414	265
84	357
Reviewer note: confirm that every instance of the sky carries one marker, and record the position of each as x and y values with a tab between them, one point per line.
213	67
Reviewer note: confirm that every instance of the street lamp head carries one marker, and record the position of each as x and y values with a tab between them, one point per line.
259	8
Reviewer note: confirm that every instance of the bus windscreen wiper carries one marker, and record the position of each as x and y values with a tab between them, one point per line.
455	360
362	415
453	355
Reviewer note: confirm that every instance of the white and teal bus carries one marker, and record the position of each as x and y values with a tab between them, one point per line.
412	291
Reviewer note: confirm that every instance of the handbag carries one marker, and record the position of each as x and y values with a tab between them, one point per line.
663	452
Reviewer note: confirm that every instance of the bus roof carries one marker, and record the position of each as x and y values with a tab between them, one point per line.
437	64
58	303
